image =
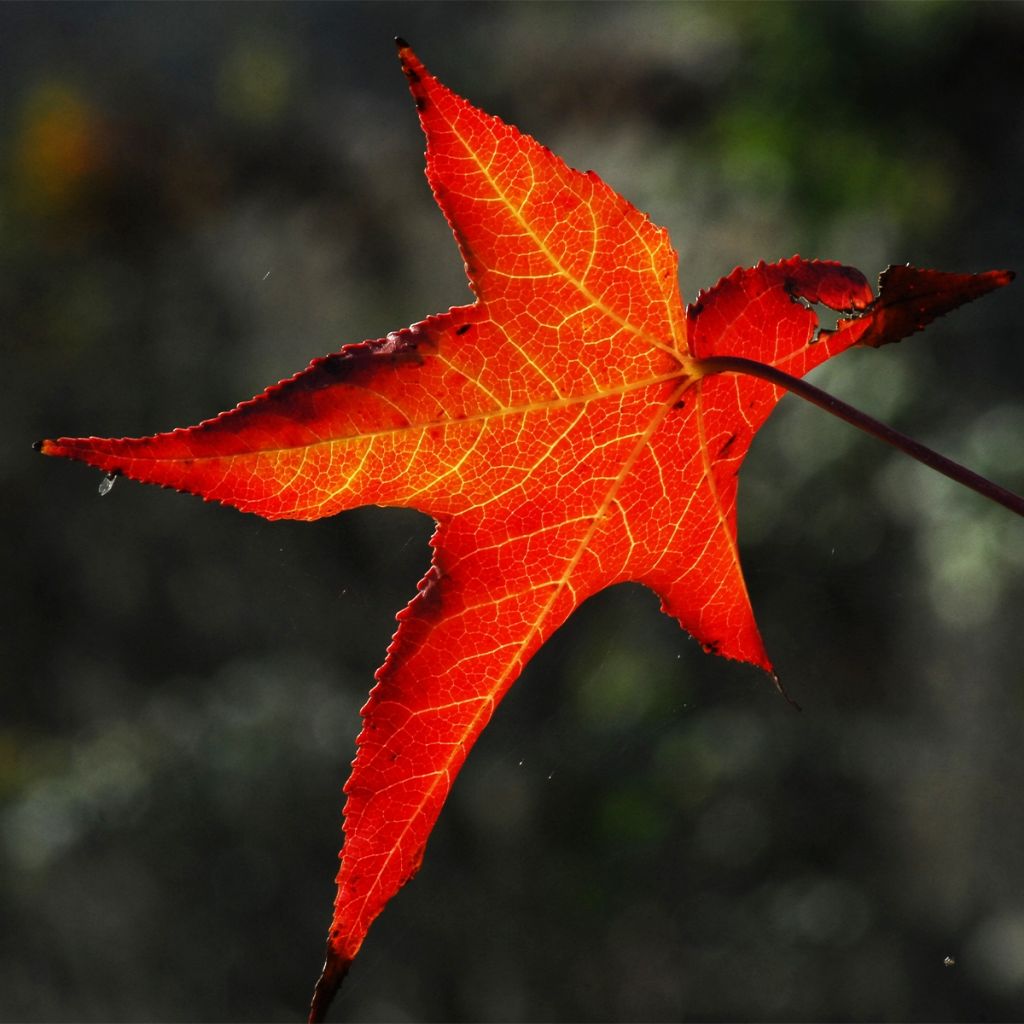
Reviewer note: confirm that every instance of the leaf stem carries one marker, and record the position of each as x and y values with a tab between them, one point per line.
861	420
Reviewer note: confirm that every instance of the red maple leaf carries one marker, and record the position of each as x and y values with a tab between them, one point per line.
573	428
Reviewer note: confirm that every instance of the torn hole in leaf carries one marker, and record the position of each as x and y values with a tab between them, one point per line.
827	318
828	322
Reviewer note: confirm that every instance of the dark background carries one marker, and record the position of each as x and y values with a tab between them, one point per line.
195	201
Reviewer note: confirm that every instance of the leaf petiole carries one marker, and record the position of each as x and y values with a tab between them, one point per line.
861	420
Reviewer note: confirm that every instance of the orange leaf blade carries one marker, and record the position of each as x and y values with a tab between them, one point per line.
567	432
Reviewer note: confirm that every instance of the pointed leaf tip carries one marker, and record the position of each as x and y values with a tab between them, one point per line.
331	977
412	67
782	690
910	298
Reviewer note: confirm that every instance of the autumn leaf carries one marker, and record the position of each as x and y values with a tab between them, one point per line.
573	428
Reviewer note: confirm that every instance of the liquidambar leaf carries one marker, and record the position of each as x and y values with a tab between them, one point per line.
562	431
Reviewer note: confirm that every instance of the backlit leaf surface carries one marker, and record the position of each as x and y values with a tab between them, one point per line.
561	431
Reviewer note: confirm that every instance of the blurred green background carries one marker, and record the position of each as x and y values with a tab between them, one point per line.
194	202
